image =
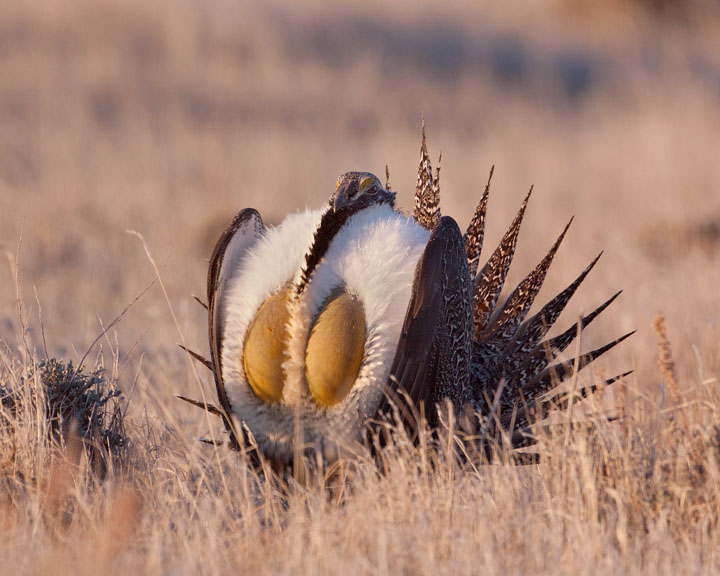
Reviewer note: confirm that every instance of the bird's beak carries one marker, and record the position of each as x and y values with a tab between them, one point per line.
340	198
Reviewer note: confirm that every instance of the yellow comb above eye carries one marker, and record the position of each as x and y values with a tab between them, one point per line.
337	184
365	183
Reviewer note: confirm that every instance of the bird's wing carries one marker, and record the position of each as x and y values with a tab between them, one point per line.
240	235
432	360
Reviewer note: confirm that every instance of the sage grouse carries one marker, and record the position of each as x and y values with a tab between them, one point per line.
336	316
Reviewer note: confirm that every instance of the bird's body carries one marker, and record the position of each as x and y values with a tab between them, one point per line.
316	325
376	239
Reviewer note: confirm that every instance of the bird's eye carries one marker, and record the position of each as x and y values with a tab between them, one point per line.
367	184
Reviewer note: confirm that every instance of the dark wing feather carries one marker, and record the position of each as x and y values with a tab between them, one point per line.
433	354
242	233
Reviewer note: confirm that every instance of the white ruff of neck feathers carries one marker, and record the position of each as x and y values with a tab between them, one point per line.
372	257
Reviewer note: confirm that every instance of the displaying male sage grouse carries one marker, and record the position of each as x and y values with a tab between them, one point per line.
320	325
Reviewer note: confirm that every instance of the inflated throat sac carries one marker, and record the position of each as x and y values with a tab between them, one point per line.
335	349
264	349
333	355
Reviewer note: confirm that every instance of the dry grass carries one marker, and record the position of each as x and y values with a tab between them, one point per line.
641	494
167	117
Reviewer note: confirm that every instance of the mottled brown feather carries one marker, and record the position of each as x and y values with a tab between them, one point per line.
490	280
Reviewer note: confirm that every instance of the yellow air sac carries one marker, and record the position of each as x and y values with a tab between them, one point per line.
264	350
335	350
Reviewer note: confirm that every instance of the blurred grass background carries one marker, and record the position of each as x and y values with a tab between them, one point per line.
167	117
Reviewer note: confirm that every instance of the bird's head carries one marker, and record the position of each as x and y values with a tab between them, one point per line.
358	190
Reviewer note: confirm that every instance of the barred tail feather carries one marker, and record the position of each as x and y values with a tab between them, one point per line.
532	331
491	350
552	375
490	280
520	367
505	322
562	341
475	233
561	400
427	190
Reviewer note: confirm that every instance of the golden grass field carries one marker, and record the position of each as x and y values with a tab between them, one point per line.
167	117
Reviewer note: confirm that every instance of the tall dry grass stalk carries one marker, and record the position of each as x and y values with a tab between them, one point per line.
667	367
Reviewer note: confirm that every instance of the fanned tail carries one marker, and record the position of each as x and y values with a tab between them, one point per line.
514	379
529	376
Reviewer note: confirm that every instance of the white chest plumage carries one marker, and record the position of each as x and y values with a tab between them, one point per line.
378	239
